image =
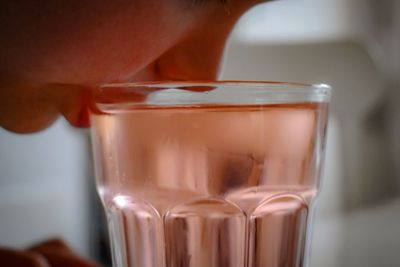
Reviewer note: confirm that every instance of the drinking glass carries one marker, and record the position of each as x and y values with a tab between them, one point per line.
209	174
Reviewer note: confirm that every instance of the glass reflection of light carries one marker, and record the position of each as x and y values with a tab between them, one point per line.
121	201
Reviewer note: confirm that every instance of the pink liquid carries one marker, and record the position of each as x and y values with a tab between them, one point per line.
209	186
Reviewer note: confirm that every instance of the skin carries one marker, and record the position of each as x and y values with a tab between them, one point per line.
52	53
52	253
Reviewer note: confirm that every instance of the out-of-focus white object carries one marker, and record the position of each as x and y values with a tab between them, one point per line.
44	187
383	38
302	21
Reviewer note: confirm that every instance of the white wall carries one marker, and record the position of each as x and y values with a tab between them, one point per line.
44	187
303	21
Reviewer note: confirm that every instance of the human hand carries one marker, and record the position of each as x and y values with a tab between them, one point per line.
53	253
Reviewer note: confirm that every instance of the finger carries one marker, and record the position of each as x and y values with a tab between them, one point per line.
51	245
58	254
12	258
64	259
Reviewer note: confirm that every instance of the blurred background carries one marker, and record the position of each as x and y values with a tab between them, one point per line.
47	183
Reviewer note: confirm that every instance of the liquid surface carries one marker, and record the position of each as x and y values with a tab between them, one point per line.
215	186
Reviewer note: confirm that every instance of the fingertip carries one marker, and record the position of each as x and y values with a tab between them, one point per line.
14	258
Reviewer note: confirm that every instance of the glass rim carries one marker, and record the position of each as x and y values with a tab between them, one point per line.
189	93
230	83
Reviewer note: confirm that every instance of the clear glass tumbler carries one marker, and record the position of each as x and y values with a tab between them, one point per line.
213	174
